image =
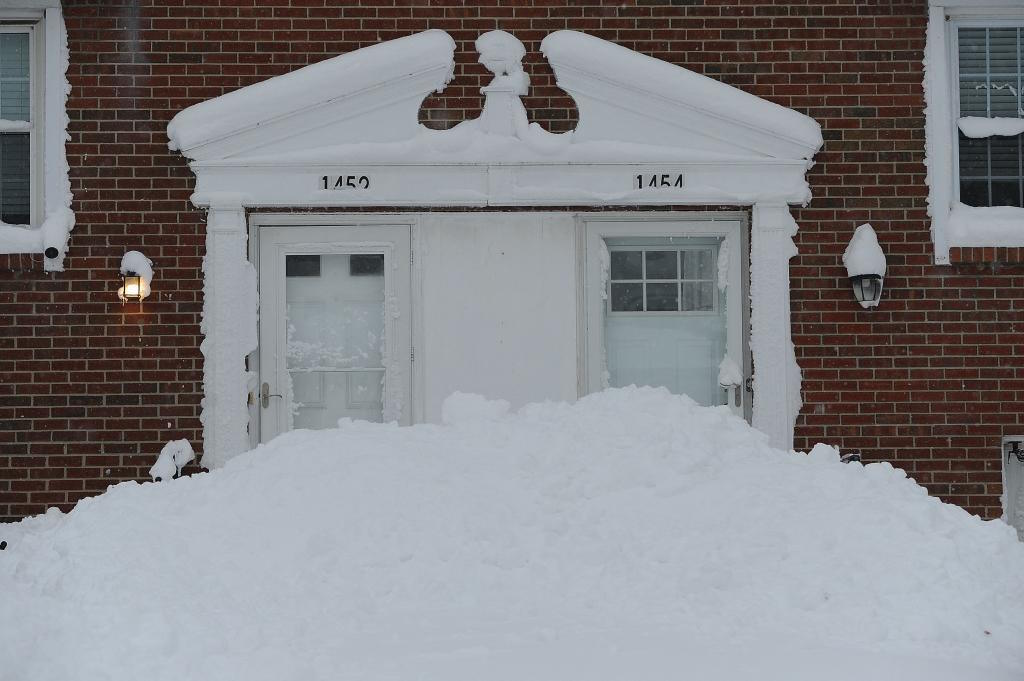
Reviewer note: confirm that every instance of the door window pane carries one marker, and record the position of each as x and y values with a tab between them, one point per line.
302	266
626	265
697	264
627	297
698	296
662	264
663	297
334	337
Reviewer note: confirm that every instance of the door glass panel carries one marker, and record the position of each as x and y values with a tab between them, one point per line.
665	322
335	334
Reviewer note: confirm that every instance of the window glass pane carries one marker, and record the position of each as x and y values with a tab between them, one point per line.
1002	94
708	291
14	76
974	97
627	297
626	265
302	265
974	192
335	320
1005	193
698	296
973	157
1005	153
366	265
14	178
14	100
661	264
662	297
972	50
697	264
1002	45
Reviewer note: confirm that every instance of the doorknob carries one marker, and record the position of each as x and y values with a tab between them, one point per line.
265	395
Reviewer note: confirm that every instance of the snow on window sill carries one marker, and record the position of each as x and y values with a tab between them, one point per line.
977	128
994	226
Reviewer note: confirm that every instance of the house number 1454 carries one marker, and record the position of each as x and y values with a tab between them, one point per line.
344	182
658	181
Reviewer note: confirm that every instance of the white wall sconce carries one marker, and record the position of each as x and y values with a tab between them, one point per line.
865	266
136	276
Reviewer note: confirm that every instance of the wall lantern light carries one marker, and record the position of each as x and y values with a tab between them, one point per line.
136	275
865	266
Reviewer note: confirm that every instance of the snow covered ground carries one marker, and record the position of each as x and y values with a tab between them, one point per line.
632	536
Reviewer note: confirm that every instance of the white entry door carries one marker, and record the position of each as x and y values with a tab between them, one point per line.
335	325
665	308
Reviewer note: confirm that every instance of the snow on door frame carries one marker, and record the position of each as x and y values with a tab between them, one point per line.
344	132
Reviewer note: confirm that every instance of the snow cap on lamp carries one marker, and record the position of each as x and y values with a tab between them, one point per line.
865	266
137	273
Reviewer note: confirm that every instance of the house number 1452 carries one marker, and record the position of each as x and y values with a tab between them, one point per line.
344	182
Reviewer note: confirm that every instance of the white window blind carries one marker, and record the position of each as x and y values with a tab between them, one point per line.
989	81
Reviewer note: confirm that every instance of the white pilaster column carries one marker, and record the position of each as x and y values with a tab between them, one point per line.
230	303
776	374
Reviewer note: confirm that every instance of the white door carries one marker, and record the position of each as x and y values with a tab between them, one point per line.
664	308
335	326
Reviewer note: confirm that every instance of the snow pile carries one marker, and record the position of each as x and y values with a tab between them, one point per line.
633	535
175	455
976	127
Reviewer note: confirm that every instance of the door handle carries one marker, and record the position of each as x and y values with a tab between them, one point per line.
265	395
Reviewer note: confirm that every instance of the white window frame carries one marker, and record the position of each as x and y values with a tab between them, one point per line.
50	213
35	108
942	112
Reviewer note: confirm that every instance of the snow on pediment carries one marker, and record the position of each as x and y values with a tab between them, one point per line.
631	97
369	95
363	106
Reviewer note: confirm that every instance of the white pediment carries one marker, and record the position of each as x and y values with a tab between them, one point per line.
648	132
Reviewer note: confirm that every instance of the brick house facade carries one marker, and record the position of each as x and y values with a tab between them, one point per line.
90	390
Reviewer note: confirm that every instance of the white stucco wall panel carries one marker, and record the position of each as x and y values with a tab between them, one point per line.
498	307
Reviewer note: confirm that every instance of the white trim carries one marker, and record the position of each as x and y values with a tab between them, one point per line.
771	327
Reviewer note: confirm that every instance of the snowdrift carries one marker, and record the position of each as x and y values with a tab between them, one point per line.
633	535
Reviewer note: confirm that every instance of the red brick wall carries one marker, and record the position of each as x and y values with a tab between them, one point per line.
90	390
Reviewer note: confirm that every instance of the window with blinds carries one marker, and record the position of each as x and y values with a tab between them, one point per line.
15	125
990	78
